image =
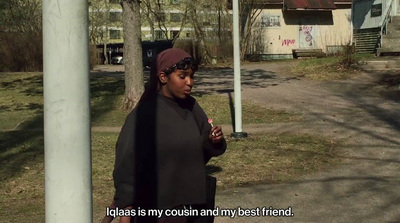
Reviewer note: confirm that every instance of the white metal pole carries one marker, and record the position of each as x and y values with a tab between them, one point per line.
237	84
351	23
68	196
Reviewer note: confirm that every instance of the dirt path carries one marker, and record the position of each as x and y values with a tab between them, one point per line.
359	112
363	115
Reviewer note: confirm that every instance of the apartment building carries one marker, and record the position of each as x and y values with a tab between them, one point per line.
315	27
162	20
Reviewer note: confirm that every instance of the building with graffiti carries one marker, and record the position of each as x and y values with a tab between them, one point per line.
291	28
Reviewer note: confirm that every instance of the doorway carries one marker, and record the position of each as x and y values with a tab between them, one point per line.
307	36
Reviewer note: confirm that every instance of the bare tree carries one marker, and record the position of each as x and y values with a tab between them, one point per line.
148	13
154	12
221	21
196	17
212	25
134	83
20	35
99	23
160	17
250	10
208	20
21	15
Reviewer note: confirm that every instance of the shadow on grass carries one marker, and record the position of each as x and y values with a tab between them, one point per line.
29	106
31	86
26	145
391	81
21	148
388	92
212	81
105	95
221	81
376	163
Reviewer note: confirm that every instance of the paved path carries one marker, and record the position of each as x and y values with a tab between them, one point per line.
358	112
366	188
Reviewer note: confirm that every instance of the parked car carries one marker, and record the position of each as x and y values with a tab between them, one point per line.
117	60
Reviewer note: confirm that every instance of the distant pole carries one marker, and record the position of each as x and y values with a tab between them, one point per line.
68	182
351	23
237	85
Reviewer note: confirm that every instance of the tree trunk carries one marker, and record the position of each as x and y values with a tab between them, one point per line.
134	83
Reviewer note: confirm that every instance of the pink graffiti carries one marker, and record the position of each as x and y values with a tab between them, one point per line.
288	42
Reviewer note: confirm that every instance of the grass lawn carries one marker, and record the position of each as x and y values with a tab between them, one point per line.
328	68
265	158
107	97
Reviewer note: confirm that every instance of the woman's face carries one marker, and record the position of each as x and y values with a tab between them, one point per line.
178	84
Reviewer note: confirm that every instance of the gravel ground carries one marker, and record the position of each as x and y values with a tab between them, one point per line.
360	113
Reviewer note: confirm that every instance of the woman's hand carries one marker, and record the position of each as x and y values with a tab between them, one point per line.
216	134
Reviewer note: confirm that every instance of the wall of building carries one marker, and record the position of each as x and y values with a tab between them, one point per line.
337	34
278	32
371	13
271	35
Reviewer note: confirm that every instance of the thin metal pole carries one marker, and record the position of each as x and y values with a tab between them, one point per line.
352	23
237	84
68	182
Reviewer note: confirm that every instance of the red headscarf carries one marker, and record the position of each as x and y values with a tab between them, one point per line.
164	60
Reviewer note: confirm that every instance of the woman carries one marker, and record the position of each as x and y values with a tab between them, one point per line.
164	145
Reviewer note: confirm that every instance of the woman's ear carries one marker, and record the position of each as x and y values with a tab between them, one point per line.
163	78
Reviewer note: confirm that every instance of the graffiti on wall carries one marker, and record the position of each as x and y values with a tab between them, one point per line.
306	36
288	42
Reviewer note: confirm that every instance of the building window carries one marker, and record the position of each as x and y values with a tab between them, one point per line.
160	35
174	33
115	16
207	5
206	23
175	17
175	2
160	17
115	34
268	21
